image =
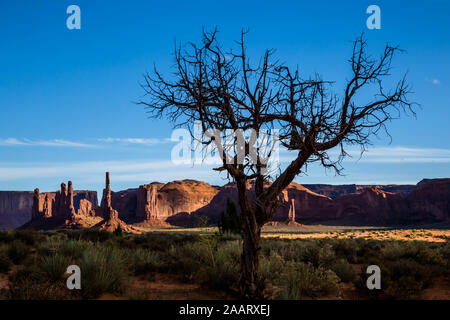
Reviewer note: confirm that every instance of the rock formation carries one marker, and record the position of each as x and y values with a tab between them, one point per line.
291	217
430	200
42	205
373	206
178	202
111	219
157	204
15	208
85	208
35	212
108	213
335	191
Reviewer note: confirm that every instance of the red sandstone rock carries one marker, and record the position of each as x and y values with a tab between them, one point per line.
111	219
174	201
431	200
373	206
177	202
85	208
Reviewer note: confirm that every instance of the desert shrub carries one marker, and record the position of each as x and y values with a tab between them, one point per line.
141	261
307	252
302	281
225	271
408	278
229	236
424	253
181	262
93	235
445	252
104	270
28	237
18	251
159	241
118	232
6	236
270	266
49	247
73	248
54	266
67	247
30	283
5	263
400	279
420	252
215	264
343	270
269	246
346	249
326	256
368	249
189	258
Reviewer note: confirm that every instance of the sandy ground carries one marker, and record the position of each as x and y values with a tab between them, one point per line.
157	286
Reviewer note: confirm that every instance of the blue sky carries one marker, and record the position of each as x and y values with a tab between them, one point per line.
66	96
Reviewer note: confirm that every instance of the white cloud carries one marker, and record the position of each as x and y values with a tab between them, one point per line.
141	141
434	81
124	170
11	142
394	154
15	142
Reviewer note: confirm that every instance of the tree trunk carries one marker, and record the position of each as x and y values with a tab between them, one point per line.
249	282
251	234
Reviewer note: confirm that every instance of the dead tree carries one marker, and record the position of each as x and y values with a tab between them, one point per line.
223	91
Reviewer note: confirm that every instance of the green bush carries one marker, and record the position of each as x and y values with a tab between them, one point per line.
93	235
343	270
118	232
18	251
225	273
28	237
303	281
5	263
230	220
30	283
103	270
142	261
408	278
54	266
270	266
6	236
346	249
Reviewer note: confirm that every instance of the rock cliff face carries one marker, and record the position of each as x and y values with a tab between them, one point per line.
335	191
372	206
308	205
125	203
173	202
15	208
179	202
431	199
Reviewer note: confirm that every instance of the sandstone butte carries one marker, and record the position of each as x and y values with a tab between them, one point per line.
178	203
